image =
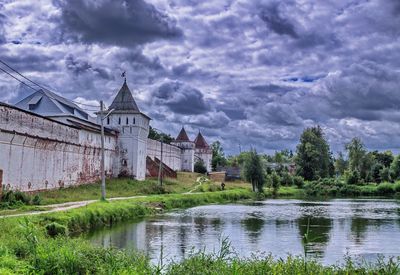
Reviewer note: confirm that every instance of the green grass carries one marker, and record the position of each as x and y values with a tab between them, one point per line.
120	188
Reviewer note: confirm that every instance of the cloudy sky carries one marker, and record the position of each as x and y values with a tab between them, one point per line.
249	73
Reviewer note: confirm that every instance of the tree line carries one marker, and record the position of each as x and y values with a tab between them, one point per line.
313	161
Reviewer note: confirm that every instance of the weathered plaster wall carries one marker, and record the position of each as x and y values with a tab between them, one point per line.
38	153
171	153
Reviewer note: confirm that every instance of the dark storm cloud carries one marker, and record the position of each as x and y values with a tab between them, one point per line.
364	91
78	66
124	23
180	98
276	22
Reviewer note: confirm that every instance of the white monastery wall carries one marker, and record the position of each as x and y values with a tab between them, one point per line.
38	153
171	153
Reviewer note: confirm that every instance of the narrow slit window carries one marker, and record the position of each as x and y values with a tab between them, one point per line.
108	120
127	120
134	121
119	120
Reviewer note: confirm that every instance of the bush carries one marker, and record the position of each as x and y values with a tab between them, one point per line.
55	229
37	200
286	179
298	181
14	198
275	182
396	187
199	167
385	174
353	177
385	189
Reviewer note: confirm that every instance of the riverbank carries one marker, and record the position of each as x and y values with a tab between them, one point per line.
45	244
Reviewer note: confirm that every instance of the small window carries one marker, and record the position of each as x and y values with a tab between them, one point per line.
119	120
134	121
108	120
127	120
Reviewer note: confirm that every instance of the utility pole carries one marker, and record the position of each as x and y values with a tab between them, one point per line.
103	176
160	180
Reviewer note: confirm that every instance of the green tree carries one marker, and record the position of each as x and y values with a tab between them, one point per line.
218	156
313	159
275	182
155	135
199	167
356	152
340	164
376	172
384	158
254	172
385	174
367	162
395	168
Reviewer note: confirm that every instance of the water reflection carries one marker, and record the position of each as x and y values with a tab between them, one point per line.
362	228
253	226
317	229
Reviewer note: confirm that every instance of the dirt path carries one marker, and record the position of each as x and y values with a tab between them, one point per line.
72	205
65	206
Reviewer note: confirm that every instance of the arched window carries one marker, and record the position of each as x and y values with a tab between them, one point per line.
119	120
108	120
134	121
127	120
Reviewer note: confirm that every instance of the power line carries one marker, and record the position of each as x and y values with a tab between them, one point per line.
37	84
18	79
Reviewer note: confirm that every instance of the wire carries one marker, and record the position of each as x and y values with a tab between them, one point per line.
37	84
18	79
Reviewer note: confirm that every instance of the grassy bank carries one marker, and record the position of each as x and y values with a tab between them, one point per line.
121	188
43	244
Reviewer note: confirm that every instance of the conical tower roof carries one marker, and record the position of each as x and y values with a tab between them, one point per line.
124	100
200	142
182	135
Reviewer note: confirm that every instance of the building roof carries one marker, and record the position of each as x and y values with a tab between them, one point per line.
182	136
124	100
200	142
46	103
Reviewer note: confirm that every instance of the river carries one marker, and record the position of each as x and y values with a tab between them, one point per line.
361	228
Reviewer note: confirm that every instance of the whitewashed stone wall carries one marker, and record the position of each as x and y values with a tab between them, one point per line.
171	153
37	153
132	143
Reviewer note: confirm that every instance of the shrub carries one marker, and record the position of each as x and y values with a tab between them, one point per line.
385	189
350	190
385	174
353	177
37	200
286	179
199	167
14	198
275	182
55	229
396	187
298	181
